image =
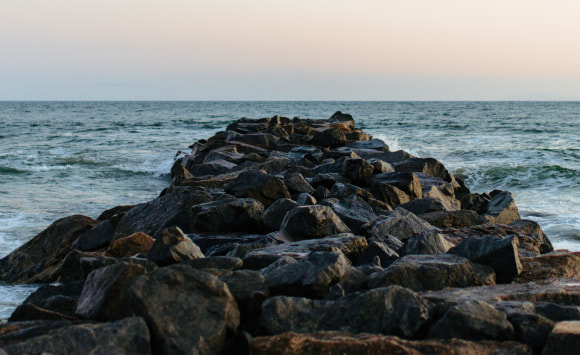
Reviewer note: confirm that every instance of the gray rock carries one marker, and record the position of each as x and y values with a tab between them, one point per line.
310	222
173	247
50	302
377	249
458	219
273	215
249	290
353	211
229	215
427	243
428	166
98	237
296	183
216	262
502	209
258	185
305	199
401	224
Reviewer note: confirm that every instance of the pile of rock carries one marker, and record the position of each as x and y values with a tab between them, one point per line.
297	236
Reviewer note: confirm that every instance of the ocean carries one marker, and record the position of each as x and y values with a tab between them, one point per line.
64	158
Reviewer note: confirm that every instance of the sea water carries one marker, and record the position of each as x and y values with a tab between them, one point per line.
64	158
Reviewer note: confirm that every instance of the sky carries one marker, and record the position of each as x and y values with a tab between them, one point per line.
289	50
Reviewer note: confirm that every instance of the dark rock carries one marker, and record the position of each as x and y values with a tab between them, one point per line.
18	332
428	166
126	336
353	211
472	320
263	140
458	219
216	262
38	259
305	199
136	243
500	254
309	222
474	202
502	209
531	329
564	339
321	192
214	167
49	302
171	209
433	272
173	247
296	183
406	182
377	249
161	298
329	138
390	310
230	215
311	276
427	243
258	185
401	224
249	290
89	264
114	214
358	171
556	312
95	238
274	215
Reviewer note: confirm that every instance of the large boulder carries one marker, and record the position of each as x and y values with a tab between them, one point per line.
557	264
173	247
37	261
564	339
258	185
134	244
274	215
502	208
311	222
50	302
227	215
98	237
353	211
249	290
188	311
401	224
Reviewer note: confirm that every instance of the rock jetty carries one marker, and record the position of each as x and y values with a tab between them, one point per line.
298	236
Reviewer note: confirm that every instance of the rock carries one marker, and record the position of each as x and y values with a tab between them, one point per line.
353	211
502	209
173	208
38	259
500	254
557	264
433	272
401	224
310	277
390	311
249	290
263	140
427	243
564	339
310	222
377	249
458	219
49	302
343	343
296	183
114	214
424	205
216	262
428	166
161	298
173	247
18	332
214	167
95	238
304	199
531	329
136	243
472	320
359	171
126	336
100	297
274	215
329	138
229	215
556	312
474	202
408	183
258	185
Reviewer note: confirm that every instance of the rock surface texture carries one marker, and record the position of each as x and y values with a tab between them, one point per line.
298	236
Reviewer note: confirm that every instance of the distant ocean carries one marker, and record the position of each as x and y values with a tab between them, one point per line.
63	158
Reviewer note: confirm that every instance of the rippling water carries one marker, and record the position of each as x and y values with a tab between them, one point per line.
62	158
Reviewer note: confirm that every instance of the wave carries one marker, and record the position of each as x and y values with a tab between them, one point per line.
155	168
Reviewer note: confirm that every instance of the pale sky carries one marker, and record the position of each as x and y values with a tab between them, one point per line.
289	50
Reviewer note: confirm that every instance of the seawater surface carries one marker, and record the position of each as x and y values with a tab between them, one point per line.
63	158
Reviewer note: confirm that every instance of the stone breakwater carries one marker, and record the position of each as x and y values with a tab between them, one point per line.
298	236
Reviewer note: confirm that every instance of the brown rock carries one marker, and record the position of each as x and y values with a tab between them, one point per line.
564	339
557	264
129	246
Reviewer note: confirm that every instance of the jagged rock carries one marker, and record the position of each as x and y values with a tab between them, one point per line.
114	214
162	297
309	222
173	247
49	302
126	336
564	339
274	215
401	224
474	202
249	290
557	264
433	272
229	215
390	310
502	209
311	276
556	312
214	167
136	243
353	211
359	171
377	249
427	243
500	254
424	205
331	137
428	166
262	140
305	199
38	259
388	187
343	343
97	237
173	208
216	262
531	329
458	219
258	185
472	320
296	183
100	297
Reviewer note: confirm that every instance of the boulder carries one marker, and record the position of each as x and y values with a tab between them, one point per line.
378	253
228	215
216	262
329	138
472	320
310	222
390	311
258	185
173	247
274	215
426	244
38	260
95	238
557	264
353	211
249	289
49	302
296	183
433	272
188	311
500	254
502	209
564	339
305	199
136	243
359	171
458	219
406	182
401	224
428	166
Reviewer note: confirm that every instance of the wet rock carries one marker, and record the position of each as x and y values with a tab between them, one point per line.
229	215
310	222
502	209
500	254
353	211
564	339
161	298
274	215
390	310
258	185
433	272
126	336
173	247
472	320
95	238
38	259
136	243
557	264
531	329
427	243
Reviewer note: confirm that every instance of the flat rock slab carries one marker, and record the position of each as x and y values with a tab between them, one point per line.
557	264
372	344
564	339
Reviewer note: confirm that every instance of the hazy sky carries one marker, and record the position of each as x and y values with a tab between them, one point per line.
289	50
